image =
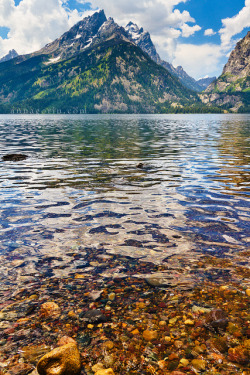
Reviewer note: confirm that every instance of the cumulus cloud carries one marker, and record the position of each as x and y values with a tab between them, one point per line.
209	32
33	23
233	26
166	44
189	30
198	60
155	15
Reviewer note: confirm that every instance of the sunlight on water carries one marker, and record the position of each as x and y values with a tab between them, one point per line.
146	187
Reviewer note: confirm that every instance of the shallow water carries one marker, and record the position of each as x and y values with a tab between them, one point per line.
82	187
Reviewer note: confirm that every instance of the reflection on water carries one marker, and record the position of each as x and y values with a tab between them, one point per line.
82	187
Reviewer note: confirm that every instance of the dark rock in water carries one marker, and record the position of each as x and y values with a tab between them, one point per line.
94	316
216	320
140	165
14	157
84	340
134	243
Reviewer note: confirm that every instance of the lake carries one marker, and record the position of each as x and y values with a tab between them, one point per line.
130	235
147	187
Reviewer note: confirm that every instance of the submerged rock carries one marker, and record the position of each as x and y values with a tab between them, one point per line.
150	335
64	360
109	371
239	355
14	157
170	279
158	281
140	165
66	340
94	316
199	364
217	319
99	366
50	310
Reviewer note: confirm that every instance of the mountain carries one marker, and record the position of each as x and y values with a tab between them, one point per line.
205	82
10	55
97	66
232	89
186	80
143	39
84	34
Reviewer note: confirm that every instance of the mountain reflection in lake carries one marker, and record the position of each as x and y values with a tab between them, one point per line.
146	187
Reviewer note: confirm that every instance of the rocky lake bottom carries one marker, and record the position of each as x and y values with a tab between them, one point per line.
129	237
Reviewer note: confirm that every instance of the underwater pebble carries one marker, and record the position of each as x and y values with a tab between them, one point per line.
150	335
50	310
184	362
189	322
66	340
109	371
239	355
94	316
111	296
97	367
199	364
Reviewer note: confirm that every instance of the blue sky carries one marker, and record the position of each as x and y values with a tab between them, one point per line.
197	34
209	13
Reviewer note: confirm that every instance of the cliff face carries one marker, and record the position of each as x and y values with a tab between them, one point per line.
232	88
238	64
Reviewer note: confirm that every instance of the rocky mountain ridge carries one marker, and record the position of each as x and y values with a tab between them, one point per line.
205	82
95	65
76	40
92	30
143	40
232	89
104	67
10	55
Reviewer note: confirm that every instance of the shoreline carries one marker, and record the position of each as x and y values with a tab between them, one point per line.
193	320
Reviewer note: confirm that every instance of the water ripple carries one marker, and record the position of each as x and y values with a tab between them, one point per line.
141	186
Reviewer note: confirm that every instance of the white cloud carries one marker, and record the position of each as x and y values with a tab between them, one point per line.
199	60
166	44
33	23
155	16
233	26
209	32
189	30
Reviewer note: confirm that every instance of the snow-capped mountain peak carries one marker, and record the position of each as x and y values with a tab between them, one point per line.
134	31
143	40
